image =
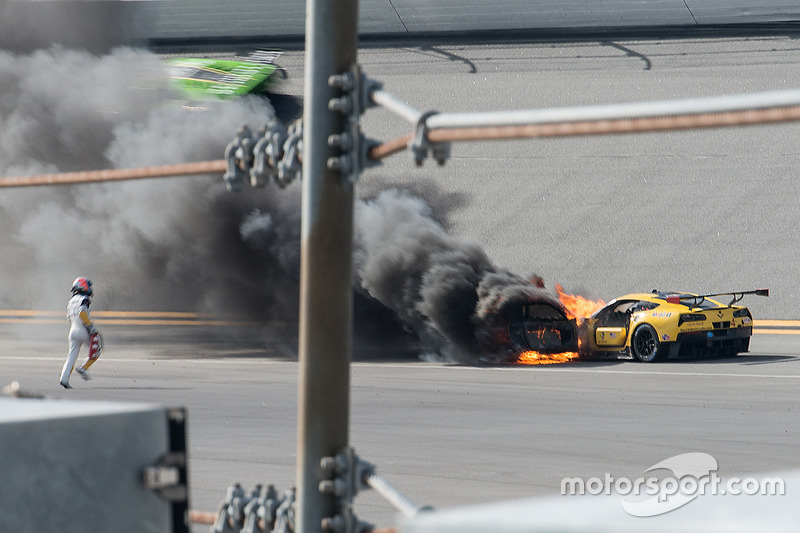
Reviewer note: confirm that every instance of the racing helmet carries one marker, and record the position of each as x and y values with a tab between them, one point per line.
82	286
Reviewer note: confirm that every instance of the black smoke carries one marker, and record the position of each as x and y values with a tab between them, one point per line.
153	245
186	244
444	289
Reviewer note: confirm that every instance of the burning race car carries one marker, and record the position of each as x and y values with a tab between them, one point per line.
541	327
530	324
652	327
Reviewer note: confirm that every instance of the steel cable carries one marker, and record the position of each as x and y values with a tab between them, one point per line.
97	176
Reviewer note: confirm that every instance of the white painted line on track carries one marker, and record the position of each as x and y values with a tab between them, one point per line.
657	373
595	370
227	360
233	360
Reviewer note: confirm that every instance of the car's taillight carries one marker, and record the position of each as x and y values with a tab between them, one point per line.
742	313
694	317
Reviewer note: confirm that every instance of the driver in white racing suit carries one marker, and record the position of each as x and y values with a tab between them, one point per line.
81	331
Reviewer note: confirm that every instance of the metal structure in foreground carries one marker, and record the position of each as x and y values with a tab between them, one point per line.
275	152
264	509
326	306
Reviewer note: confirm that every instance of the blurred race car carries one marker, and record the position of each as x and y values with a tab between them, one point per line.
200	79
652	327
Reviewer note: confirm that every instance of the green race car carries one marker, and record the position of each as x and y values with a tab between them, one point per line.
200	79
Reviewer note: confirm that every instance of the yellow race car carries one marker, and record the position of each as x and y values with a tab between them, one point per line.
654	326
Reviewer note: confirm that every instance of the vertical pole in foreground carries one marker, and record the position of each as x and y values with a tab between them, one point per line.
326	263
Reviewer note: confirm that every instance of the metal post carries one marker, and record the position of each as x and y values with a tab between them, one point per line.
326	264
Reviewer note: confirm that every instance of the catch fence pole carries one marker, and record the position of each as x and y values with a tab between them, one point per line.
325	343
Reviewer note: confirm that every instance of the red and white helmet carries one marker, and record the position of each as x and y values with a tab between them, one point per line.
82	286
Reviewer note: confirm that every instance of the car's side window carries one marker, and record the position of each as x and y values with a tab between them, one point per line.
643	306
616	316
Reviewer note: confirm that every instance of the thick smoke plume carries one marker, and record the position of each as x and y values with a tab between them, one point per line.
186	243
154	245
443	289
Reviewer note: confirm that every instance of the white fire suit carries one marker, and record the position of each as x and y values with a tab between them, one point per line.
80	331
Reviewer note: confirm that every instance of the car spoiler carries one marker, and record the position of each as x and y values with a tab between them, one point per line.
697	300
267	57
264	57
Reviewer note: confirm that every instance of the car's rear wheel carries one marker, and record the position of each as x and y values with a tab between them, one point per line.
645	344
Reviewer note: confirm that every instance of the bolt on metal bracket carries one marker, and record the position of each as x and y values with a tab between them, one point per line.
273	154
262	510
239	157
168	477
346	522
420	146
266	153
346	471
350	142
290	165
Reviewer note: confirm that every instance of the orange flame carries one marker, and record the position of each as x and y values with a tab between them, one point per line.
577	307
536	358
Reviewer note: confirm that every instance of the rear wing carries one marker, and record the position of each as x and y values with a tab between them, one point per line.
264	57
698	299
267	57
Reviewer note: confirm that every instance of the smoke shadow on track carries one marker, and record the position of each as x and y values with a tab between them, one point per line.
377	336
287	107
741	360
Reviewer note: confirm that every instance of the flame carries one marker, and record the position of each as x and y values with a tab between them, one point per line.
577	307
536	358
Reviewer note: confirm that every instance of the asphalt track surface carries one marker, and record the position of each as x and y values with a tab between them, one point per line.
692	210
444	435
